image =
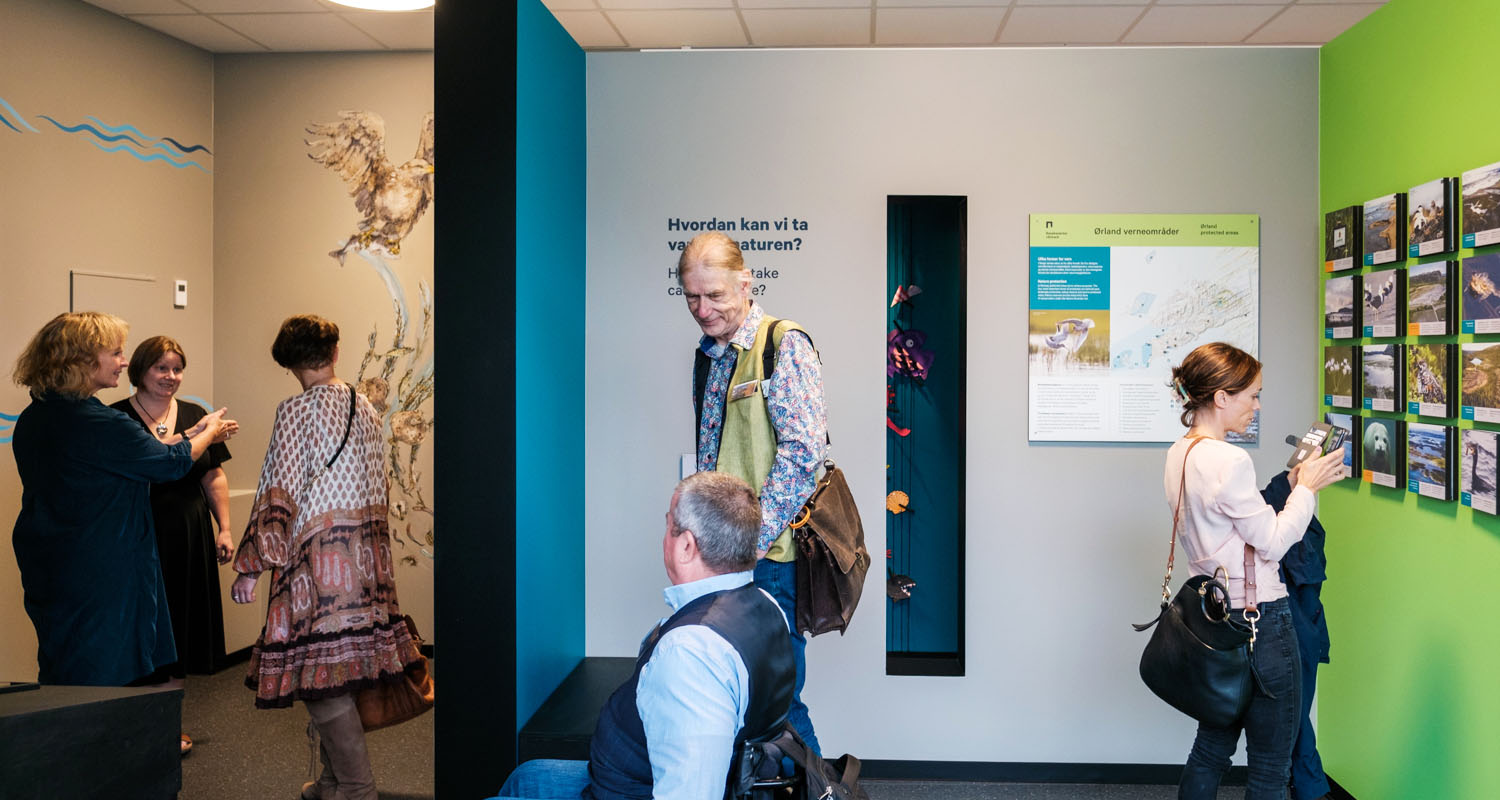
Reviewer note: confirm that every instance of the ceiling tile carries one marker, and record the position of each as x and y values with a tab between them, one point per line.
589	28
950	26
200	31
256	6
1312	24
1081	2
1282	3
1199	24
411	30
656	5
865	4
999	4
300	32
571	5
141	6
1067	25
808	27
692	28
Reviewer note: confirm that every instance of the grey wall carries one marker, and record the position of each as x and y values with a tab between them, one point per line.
1065	542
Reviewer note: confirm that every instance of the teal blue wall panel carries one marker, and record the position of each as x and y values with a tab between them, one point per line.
548	500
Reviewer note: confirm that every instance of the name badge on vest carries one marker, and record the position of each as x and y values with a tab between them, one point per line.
744	390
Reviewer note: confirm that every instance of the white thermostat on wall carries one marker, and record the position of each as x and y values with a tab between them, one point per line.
179	294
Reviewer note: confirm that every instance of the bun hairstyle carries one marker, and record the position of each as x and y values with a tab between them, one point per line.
306	341
1209	369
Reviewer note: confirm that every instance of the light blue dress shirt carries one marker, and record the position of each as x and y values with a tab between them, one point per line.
692	697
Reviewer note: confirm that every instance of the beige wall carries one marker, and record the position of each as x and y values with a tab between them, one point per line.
276	216
65	204
250	238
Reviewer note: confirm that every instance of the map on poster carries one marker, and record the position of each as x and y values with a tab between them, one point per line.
1116	301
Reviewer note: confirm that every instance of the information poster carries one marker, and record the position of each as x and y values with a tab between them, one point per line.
1116	301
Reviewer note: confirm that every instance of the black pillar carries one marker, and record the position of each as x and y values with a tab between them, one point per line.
475	455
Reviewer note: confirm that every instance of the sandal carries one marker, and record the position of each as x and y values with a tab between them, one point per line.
187	744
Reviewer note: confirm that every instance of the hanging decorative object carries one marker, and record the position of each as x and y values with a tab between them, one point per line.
898	587
906	356
897	502
904	294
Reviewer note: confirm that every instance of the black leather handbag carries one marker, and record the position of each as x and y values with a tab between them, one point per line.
1199	658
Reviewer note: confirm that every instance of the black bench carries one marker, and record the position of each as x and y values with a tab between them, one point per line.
563	725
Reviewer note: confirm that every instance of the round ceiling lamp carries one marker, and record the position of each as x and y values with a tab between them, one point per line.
387	5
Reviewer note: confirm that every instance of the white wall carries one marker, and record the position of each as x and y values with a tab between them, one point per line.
1055	575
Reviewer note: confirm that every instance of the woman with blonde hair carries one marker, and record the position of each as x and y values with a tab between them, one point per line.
319	524
84	543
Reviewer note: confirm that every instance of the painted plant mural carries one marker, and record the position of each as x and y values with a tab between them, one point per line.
396	372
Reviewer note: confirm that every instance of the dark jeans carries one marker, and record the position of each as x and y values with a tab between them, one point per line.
1308	780
1270	725
780	582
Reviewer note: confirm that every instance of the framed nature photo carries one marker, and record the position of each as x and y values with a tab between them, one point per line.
1383	303
1482	206
1381	369
1350	423
1341	305
1382	448
1429	379
1481	294
1479	393
1431	294
1476	458
1385	229
1429	460
1429	227
1340	366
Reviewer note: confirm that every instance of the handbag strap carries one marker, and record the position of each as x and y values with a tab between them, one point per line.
1166	596
348	426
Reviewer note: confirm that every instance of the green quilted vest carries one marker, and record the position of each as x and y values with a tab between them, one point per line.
747	447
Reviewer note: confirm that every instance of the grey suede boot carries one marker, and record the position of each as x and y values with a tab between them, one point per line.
344	748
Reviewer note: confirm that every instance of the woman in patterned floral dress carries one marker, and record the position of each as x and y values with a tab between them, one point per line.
319	524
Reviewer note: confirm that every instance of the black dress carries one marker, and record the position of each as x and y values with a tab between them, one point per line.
185	542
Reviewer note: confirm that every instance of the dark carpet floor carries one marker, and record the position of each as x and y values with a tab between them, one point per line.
243	753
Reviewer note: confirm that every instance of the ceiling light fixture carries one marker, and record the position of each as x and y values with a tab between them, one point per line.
387	5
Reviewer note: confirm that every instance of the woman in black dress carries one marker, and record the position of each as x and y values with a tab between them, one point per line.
185	511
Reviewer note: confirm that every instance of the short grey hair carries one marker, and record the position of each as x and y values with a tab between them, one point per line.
724	515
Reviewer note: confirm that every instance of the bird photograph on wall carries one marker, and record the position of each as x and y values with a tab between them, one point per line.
390	198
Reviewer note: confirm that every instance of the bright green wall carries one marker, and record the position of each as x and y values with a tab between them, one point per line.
1410	706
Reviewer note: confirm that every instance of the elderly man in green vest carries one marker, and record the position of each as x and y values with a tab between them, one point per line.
758	394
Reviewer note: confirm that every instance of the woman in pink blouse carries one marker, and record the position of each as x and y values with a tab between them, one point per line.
1222	513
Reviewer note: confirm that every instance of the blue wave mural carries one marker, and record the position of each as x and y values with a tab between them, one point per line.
182	148
10	111
7	421
172	152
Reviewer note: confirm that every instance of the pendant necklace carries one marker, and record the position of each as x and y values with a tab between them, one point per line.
161	424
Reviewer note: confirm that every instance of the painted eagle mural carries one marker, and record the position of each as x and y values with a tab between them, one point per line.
390	197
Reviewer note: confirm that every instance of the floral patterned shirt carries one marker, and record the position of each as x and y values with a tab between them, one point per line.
794	399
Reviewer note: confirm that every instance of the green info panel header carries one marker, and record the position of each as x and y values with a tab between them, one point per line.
1115	301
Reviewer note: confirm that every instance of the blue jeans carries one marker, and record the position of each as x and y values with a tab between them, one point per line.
546	779
780	582
1270	725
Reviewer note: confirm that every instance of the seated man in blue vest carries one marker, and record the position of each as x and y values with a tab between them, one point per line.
716	673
